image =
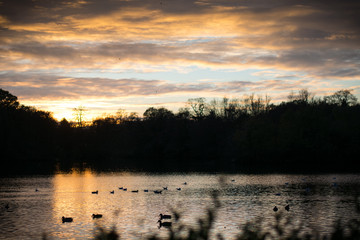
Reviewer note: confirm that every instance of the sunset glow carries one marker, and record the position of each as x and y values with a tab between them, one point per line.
127	54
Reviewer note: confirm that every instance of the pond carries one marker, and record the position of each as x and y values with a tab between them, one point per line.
32	207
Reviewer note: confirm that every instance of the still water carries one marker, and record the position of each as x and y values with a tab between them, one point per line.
315	200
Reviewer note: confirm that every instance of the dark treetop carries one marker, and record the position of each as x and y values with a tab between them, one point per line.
304	134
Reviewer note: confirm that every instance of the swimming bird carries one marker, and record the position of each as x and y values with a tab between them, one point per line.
125	189
158	191
36	190
95	192
7	206
185	183
164	216
96	216
287	207
66	219
135	191
178	189
112	192
164	224
165	188
120	188
275	209
145	190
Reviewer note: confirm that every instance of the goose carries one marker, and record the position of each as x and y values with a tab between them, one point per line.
163	216
164	224
275	209
95	192
287	207
96	216
112	192
66	219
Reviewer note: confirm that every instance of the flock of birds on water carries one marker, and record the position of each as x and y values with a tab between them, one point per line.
160	221
161	216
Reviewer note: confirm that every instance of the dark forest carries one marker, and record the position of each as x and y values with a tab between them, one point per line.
305	134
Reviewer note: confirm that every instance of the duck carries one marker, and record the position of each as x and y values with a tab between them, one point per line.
95	192
178	188
112	192
275	209
146	190
66	219
135	191
185	183
164	216
158	191
7	206
164	224
165	188
121	188
96	216
287	207
125	189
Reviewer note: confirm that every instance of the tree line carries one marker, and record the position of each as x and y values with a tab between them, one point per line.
250	135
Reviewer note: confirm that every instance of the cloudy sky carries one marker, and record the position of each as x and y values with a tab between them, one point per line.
133	54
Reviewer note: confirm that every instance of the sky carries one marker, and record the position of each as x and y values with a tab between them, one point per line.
106	55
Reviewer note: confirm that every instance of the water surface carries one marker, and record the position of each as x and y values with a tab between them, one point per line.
316	201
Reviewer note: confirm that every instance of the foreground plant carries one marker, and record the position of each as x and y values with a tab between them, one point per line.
282	228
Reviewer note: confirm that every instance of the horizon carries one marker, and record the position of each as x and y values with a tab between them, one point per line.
133	55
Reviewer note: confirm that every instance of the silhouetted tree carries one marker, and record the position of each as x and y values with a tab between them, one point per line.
158	114
198	107
247	134
79	114
342	98
183	113
8	100
256	105
303	96
64	124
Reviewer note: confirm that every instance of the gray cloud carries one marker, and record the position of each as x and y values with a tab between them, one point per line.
35	86
332	62
317	39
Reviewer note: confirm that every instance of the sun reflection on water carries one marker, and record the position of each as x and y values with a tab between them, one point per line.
125	210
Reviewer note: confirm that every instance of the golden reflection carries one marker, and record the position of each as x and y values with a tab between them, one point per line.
72	190
73	197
